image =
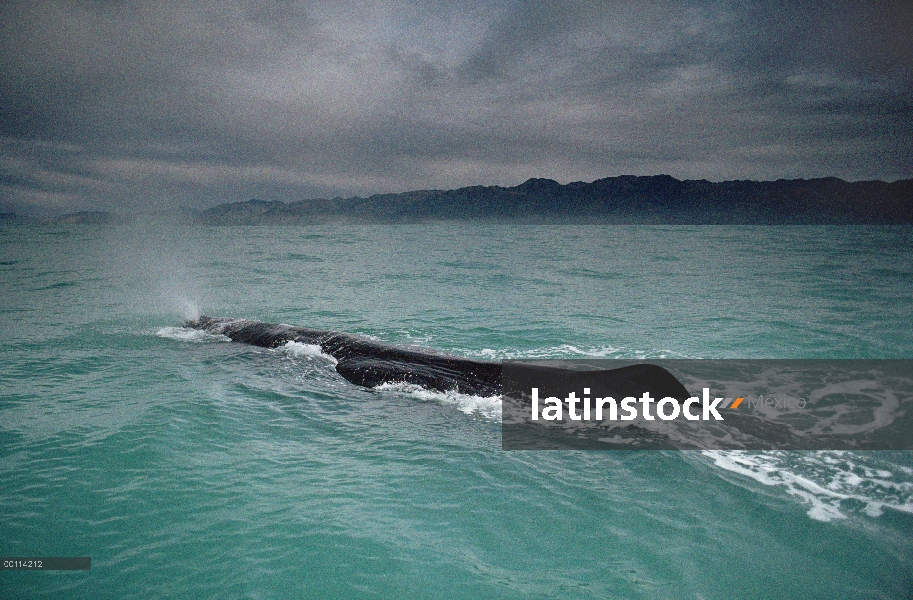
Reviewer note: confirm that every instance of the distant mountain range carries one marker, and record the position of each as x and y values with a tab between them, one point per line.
93	217
659	199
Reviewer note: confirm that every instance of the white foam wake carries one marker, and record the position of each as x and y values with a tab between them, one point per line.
833	484
565	351
306	351
187	334
486	406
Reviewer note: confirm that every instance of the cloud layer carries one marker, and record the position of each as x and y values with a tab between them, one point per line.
146	105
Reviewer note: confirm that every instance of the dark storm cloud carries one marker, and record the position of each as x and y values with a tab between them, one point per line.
146	105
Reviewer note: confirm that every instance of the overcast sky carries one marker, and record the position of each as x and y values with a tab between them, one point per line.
147	105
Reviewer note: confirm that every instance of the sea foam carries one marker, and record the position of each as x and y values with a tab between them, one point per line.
833	484
186	334
306	351
486	406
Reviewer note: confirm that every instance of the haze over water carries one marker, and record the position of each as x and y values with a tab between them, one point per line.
187	466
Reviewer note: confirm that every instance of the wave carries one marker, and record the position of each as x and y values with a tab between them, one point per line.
833	484
485	406
186	334
307	351
569	351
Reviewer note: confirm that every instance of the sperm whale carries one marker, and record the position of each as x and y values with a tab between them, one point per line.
370	363
367	362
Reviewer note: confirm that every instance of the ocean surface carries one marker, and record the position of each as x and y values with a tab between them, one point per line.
187	466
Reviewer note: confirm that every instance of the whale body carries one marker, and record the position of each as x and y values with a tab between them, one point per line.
366	362
370	363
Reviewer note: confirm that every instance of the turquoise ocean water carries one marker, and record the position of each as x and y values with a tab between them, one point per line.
190	467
